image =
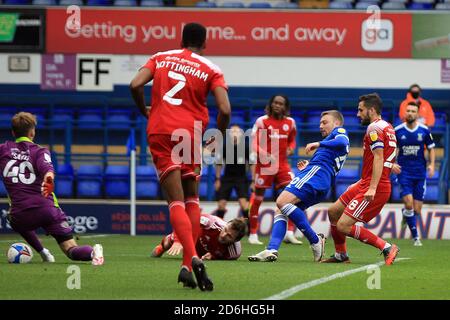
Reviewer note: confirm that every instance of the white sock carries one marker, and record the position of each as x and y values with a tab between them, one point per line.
387	245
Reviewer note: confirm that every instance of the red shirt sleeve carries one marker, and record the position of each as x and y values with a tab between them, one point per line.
218	80
291	137
151	64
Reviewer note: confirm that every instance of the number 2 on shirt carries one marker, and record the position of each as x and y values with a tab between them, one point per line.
180	85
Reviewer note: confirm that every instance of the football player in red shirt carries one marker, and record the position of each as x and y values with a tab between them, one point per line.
363	201
274	130
178	117
218	239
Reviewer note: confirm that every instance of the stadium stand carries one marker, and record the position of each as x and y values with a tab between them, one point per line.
64	181
89	181
117	181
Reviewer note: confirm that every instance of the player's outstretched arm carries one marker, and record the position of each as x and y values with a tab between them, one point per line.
223	105
143	77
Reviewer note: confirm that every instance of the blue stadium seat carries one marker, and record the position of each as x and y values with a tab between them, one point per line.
260	5
237	118
147	185
44	2
17	2
432	191
206	4
117	181
89	181
3	192
421	5
441	120
152	3
393	5
340	5
232	4
125	3
90	118
119	118
6	114
99	3
203	189
62	117
64	181
269	194
39	112
70	2
346	177
395	195
363	5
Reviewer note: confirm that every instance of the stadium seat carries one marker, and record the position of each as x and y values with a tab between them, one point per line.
64	181
117	181
363	5
118	118
6	114
70	2
259	5
44	2
125	3
147	185
232	4
39	112
432	192
90	118
340	5
205	4
441	120
17	2
62	117
100	3
415	5
152	3
393	5
395	194
442	6
269	194
3	192
89	181
346	177
286	5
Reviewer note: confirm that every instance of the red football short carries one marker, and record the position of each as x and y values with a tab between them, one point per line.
161	147
360	209
281	176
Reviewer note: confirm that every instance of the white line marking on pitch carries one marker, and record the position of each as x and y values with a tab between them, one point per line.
303	286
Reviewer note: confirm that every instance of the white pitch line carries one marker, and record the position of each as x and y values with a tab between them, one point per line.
303	286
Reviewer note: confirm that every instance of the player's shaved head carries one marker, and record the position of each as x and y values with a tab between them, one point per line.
337	115
194	35
22	123
372	100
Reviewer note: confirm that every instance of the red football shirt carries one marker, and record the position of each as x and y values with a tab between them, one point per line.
181	82
267	131
380	134
208	241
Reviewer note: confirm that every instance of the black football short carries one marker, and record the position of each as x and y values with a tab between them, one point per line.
240	184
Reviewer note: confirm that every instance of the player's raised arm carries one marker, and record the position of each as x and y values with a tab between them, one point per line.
223	105
143	77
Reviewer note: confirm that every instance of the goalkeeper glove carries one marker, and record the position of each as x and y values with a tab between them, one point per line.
48	186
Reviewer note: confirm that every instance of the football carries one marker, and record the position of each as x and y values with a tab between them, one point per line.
19	253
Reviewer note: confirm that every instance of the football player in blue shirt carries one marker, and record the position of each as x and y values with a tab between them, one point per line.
412	137
310	186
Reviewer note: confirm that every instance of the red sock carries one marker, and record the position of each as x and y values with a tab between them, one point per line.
255	203
339	238
193	212
183	229
291	225
364	235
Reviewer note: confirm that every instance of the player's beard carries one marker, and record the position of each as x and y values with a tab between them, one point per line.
410	120
365	121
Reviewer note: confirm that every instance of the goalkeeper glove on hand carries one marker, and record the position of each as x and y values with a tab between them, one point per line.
48	186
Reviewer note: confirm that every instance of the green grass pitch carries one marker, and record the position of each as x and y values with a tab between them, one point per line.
129	273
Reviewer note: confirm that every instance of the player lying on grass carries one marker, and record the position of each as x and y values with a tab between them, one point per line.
310	186
218	240
28	176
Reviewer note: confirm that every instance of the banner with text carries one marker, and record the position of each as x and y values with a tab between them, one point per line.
231	33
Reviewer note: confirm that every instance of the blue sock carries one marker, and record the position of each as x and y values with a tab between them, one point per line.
278	231
299	218
412	222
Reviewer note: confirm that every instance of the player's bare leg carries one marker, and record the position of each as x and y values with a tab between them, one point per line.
255	202
181	224
417	212
244	205
346	225
340	255
82	253
221	208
